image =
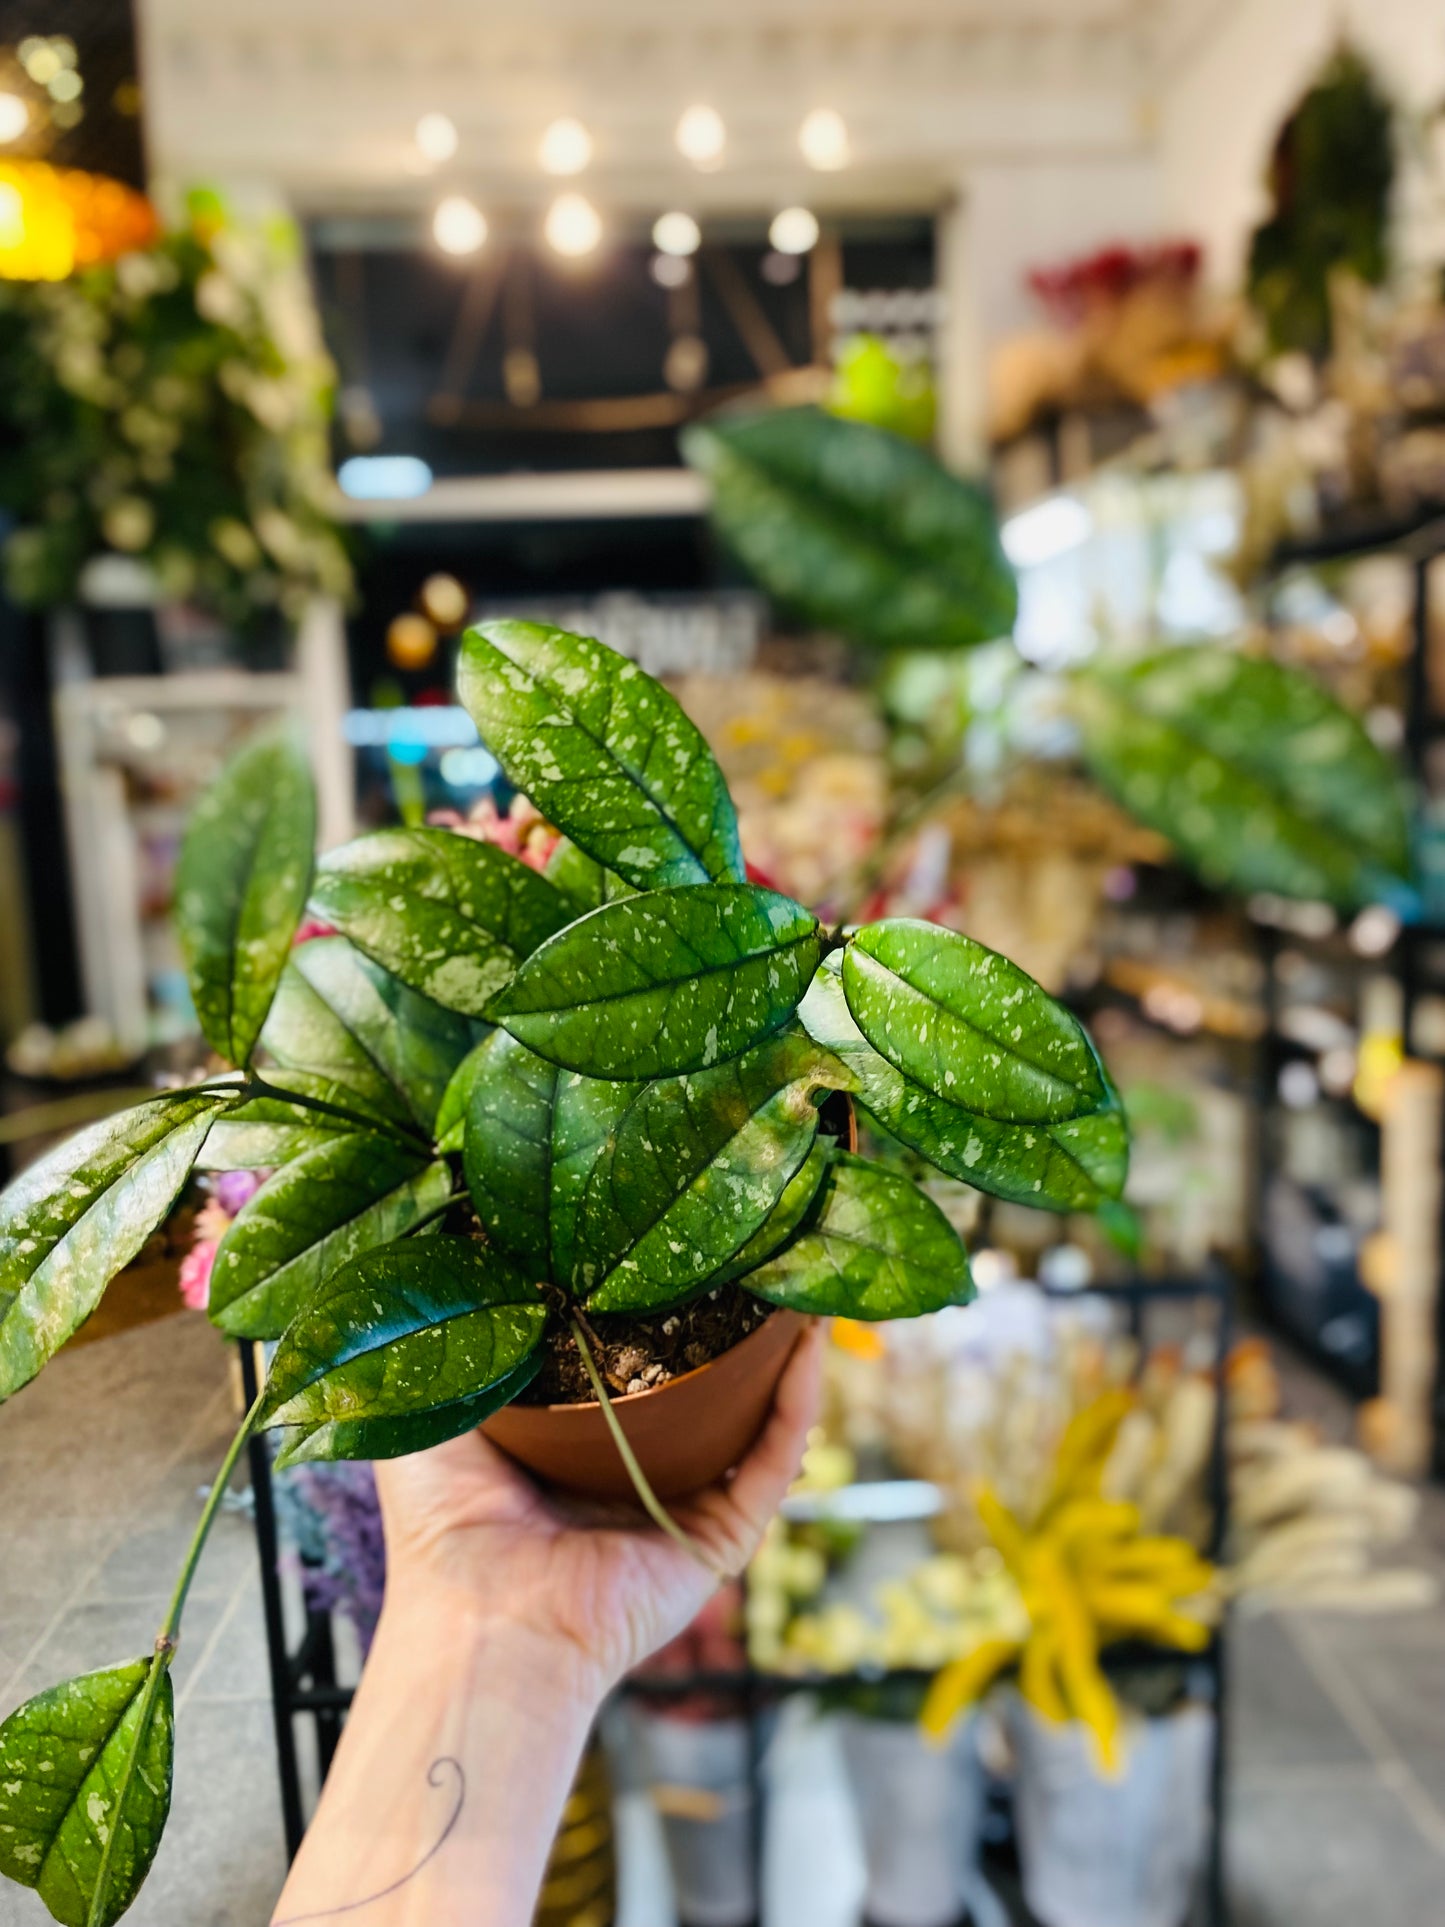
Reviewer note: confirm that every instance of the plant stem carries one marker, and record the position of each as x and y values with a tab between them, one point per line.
857	888
161	1658
651	1504
258	1087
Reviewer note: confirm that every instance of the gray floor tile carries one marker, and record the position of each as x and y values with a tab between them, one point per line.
1330	1853
1279	1717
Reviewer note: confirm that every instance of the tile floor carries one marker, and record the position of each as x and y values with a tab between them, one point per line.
1337	1811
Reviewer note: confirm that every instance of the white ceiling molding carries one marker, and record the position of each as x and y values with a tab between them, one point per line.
319	98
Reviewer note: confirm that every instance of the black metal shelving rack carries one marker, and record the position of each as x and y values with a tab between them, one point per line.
304	1680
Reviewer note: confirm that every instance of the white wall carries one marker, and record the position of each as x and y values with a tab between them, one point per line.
1233	83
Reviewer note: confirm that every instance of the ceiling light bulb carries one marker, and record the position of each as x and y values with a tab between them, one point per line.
436	137
794	231
14	117
459	225
566	147
676	233
823	140
573	225
701	136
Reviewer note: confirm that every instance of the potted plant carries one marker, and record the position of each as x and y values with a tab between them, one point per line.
549	1152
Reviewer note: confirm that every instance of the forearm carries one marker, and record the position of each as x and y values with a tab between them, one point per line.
446	1790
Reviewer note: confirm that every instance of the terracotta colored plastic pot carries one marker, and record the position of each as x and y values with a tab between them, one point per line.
685	1433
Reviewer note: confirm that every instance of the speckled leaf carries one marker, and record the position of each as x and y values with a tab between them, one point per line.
785	1219
970	1026
266	1132
1073	1166
533	1134
603	751
339	1014
451	1118
666	982
857	530
409	1333
241	886
63	1759
314	1215
508	1149
1256	774
395	1438
585	1118
693	1168
70	1222
581	881
449	915
878	1248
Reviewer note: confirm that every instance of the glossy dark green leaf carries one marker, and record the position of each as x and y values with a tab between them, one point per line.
1073	1166
340	1015
266	1132
581	881
585	1118
666	982
241	884
970	1026
787	1216
857	530
451	1118
69	1223
396	1438
1254	772
603	751
404	1335
693	1168
508	1149
878	1248
448	915
312	1216
63	1760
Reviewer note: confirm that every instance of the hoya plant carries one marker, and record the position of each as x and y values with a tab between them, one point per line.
506	1115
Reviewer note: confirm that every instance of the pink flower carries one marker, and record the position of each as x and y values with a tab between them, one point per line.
522	832
196	1275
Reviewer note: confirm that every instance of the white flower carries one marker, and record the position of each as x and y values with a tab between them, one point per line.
218	299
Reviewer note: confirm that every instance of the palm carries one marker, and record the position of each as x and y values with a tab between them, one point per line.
462	1518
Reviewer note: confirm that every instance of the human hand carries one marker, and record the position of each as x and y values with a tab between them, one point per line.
473	1542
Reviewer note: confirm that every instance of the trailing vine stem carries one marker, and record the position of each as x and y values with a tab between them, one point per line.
258	1087
651	1504
164	1653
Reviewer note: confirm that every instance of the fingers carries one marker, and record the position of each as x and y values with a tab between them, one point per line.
741	1511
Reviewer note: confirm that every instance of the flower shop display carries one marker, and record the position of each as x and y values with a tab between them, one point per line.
170	407
920	1809
629	1188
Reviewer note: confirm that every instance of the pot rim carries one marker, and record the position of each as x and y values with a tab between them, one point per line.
619	1399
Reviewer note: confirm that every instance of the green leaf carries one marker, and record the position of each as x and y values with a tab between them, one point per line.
404	1335
451	1118
1073	1166
666	982
241	884
692	1170
396	1438
63	1758
970	1026
342	1016
507	1150
857	530
603	751
787	1216
317	1212
533	1135
1252	770
581	881
878	1249
69	1223
448	915
266	1132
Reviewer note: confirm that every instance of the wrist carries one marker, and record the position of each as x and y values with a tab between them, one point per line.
507	1654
